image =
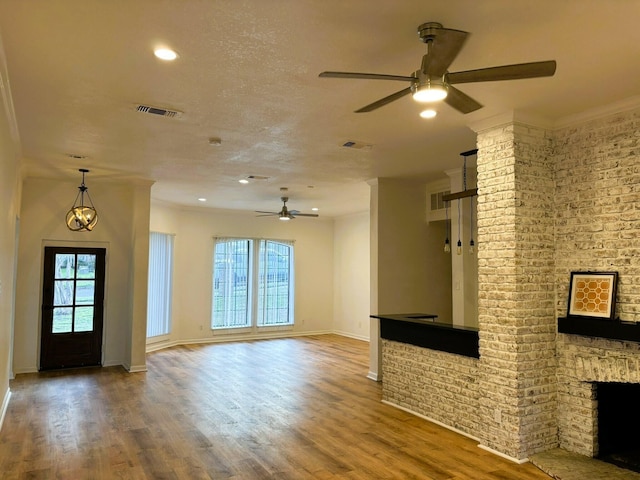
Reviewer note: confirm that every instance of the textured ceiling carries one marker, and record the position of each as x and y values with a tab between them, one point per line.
248	74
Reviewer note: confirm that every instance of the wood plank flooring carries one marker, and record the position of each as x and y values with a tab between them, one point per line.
298	408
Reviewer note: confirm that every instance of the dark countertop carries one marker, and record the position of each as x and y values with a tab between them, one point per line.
426	331
423	318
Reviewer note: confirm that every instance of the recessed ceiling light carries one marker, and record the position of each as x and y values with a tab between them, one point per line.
244	181
165	54
429	113
202	199
315	209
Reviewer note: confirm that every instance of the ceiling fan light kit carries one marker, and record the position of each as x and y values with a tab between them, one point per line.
429	91
433	82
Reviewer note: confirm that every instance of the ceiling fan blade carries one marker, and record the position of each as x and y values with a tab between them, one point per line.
505	72
304	214
268	213
383	101
442	51
366	76
461	101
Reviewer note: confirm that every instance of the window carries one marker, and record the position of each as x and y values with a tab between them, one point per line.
252	283
159	287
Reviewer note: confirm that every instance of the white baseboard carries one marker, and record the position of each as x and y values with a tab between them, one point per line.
25	370
374	376
5	406
236	338
432	420
503	455
136	368
351	335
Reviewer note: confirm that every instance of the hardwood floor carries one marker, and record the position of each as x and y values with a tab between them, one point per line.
274	409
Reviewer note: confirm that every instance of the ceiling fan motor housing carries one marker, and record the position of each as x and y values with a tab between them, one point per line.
428	31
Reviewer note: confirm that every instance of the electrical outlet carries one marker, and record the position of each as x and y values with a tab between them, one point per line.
497	416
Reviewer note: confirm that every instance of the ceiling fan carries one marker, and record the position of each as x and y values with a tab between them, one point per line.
286	214
433	82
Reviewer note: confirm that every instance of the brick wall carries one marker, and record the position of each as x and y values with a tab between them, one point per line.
598	206
438	385
597	209
516	290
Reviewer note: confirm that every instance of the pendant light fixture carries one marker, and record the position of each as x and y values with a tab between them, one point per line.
459	245
82	217
467	192
447	244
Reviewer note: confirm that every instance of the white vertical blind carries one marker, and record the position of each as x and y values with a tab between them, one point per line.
160	283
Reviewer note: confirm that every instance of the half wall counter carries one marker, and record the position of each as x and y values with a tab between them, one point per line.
430	368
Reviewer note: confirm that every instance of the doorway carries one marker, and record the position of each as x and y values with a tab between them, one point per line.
72	307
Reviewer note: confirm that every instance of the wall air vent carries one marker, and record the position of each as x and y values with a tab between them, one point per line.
436	206
163	112
436	200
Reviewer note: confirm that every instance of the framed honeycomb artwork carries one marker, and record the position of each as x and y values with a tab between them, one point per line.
592	294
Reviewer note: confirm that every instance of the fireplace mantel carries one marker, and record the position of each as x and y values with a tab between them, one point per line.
598	327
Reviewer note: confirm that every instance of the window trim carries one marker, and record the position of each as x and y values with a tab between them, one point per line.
253	273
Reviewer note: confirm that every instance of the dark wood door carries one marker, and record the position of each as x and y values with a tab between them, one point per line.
72	307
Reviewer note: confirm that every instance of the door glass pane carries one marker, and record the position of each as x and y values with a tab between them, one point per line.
84	319
63	292
84	292
62	319
86	266
65	265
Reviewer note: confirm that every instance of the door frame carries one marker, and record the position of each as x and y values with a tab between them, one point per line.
74	244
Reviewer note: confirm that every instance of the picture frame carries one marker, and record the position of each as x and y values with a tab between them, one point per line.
593	294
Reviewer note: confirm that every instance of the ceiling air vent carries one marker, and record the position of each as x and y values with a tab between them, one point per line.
163	112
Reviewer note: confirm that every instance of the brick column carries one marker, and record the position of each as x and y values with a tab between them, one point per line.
517	367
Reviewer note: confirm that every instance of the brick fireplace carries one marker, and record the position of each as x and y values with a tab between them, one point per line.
583	362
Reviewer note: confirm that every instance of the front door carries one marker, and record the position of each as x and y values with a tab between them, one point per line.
72	307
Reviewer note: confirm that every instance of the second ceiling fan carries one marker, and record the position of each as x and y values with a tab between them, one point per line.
285	213
433	82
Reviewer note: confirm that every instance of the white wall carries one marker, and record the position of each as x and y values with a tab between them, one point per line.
409	273
412	277
45	203
194	229
351	276
9	209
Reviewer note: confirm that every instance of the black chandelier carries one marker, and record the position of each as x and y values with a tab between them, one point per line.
82	217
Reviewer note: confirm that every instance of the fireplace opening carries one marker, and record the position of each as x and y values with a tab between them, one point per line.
619	424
